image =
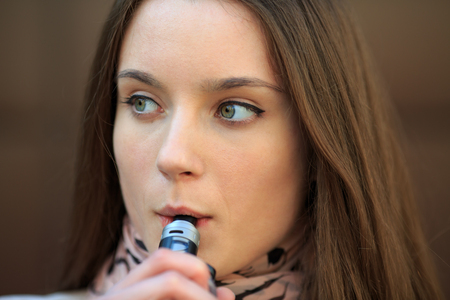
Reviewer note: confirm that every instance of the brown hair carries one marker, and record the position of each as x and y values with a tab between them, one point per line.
362	238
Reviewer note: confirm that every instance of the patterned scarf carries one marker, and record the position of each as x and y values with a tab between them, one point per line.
274	276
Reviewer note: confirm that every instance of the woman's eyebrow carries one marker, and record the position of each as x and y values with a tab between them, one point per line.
217	85
210	85
141	76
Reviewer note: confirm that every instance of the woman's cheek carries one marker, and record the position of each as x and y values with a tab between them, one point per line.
130	161
134	149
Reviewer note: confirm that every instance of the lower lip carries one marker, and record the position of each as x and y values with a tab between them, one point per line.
166	220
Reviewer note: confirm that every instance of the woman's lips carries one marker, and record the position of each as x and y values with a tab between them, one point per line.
168	212
166	219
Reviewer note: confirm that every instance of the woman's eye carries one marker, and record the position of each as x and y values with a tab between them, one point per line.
236	111
142	104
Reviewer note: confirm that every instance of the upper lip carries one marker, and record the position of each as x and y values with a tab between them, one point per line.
171	211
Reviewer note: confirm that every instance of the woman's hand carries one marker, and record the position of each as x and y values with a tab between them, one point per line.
167	275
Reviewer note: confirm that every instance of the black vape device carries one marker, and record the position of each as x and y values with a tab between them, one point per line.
182	236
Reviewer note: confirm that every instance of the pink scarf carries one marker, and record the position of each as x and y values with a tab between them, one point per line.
274	276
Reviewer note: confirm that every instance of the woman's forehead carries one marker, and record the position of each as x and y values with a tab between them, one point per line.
211	38
194	19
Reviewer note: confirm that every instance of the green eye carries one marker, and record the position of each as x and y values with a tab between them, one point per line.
227	111
140	104
238	111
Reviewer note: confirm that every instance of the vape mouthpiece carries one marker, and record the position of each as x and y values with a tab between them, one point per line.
181	235
190	219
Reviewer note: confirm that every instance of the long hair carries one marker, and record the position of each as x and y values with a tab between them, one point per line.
362	239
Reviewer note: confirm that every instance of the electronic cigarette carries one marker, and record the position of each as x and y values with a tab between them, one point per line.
182	236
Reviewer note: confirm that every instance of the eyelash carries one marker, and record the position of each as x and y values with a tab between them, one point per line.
132	99
257	111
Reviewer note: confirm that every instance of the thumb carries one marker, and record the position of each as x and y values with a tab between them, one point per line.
225	294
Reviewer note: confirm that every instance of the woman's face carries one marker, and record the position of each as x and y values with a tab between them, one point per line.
202	128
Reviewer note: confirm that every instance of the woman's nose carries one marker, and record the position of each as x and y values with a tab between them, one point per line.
180	154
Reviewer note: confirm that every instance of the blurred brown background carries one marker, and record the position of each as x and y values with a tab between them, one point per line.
46	48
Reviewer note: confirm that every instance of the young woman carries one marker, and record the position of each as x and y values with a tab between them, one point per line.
262	119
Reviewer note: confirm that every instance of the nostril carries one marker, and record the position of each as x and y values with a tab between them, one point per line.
174	163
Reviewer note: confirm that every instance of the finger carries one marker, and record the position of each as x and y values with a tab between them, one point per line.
167	285
162	260
225	294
